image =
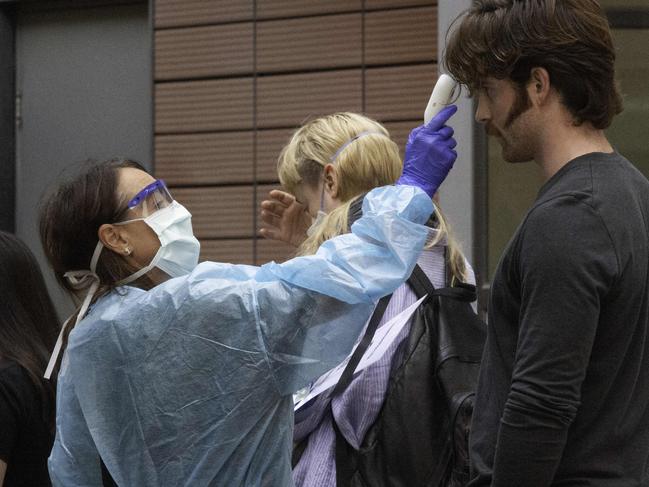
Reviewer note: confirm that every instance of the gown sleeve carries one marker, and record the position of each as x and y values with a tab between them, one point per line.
311	310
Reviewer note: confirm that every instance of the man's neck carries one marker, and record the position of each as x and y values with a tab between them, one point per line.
564	142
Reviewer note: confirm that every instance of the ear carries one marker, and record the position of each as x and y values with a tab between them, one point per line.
539	86
331	185
114	238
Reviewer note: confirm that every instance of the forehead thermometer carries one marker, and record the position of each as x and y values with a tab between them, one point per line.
440	97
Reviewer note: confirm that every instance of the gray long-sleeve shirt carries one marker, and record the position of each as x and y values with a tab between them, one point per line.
563	396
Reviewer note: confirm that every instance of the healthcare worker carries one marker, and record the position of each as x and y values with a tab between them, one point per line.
177	374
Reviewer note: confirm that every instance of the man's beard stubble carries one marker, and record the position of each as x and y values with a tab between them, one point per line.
522	103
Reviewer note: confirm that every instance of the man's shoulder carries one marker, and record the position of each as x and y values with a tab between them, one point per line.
564	223
597	184
559	209
595	179
614	173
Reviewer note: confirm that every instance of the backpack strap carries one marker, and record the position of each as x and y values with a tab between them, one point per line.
448	269
420	284
460	292
345	456
344	463
348	373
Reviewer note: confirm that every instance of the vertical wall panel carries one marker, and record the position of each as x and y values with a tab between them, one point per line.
269	145
235	78
232	251
310	43
401	36
219	212
399	132
272	250
289	100
200	106
7	122
262	191
290	8
382	4
197	52
399	93
177	13
212	158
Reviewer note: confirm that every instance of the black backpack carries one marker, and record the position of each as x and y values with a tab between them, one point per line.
421	435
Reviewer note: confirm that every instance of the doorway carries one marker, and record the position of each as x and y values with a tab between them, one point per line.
83	91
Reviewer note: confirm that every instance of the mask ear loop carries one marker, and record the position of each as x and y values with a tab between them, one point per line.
341	149
352	140
324	183
79	280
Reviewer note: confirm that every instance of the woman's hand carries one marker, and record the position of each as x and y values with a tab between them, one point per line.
284	218
430	153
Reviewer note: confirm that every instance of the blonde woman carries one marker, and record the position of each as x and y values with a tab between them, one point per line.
326	166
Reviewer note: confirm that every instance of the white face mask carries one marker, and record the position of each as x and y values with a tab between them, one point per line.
179	249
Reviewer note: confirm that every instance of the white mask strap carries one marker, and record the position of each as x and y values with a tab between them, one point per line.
139	273
78	280
352	140
57	350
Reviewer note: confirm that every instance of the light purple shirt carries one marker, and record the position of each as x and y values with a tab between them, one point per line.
356	410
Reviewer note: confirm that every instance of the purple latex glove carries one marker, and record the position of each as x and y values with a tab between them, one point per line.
430	153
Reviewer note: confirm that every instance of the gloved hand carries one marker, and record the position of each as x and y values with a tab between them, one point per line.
430	153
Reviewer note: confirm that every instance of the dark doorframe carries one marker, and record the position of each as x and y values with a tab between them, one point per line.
7	119
481	215
9	105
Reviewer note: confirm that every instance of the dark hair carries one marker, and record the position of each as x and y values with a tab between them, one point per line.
28	322
70	218
69	223
571	39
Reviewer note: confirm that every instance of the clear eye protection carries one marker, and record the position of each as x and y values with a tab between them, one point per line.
152	198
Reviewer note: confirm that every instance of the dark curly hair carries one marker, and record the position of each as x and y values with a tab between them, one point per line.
571	39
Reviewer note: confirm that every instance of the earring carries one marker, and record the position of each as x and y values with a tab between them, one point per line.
127	251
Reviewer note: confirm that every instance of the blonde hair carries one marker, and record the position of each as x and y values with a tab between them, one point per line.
364	157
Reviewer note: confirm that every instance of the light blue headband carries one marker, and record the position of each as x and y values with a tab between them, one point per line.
344	146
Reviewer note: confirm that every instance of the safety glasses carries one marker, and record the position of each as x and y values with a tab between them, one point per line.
152	198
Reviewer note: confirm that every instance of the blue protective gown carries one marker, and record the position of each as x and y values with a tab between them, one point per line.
190	383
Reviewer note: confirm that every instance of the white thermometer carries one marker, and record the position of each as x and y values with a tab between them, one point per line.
440	97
